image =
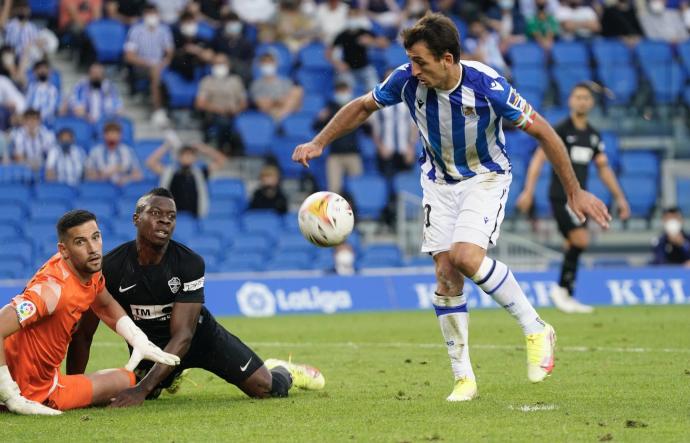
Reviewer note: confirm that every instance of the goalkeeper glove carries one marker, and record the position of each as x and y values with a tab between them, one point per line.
13	400
142	348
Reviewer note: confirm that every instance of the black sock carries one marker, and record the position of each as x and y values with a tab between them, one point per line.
569	269
282	382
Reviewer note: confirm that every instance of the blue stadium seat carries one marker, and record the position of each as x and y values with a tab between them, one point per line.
644	190
113	241
299	125
205	31
226	229
8	231
570	53
107	37
56	191
667	82
247	262
44	8
47	210
519	144
41	232
653	53
282	53
15	193
282	148
324	262
370	195
180	91
294	242
250	243
82	129
101	207
612	148
125	207
126	124
686	96
527	54
123	228
621	80
597	187
534	96
395	55
640	163
542	206
290	261
137	189
257	130
12	268
313	81
684	53
313	57
227	188
611	52
145	147
206	245
420	260
13	213
15	174
265	222
567	76
407	182
19	249
290	222
532	77
186	229
101	190
312	104
683	194
555	114
380	256
225	209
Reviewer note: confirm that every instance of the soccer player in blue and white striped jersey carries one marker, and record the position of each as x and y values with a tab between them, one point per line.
459	108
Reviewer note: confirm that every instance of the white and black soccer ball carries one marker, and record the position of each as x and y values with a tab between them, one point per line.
326	219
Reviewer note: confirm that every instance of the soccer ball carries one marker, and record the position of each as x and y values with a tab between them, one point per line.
325	219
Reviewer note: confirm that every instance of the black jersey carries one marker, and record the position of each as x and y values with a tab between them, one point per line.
148	293
582	145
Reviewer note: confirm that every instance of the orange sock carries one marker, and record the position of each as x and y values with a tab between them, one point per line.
132	377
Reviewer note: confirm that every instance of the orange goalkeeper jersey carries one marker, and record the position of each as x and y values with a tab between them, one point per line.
48	310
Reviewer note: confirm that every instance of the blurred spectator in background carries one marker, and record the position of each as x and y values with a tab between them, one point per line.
186	180
414	10
65	161
254	11
673	246
112	160
10	65
148	50
503	16
127	11
12	102
331	19
94	97
660	22
344	259
619	20
170	10
41	93
291	26
344	158
577	20
484	46
349	53
213	10
543	26
230	40
191	52
19	32
269	195
272	93
395	136
73	17
528	8
386	13
220	98
30	142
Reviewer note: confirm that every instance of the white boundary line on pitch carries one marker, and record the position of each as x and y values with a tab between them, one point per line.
356	345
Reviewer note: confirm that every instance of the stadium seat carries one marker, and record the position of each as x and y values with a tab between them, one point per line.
101	190
12	268
8	231
113	241
407	182
225	229
395	55
137	189
555	114
519	144
266	222
612	148
282	148
299	125
380	256
44	8
15	174
82	129
290	261
315	81
126	124
290	222
250	243
206	245
324	261
225	208
181	92
186	228
527	54
312	104
611	52
570	53
19	249
313	57
227	188
102	208
294	242
667	82
640	163
530	77
542	205
54	191
257	130
684	54
107	37
247	262
683	194
653	53
205	31
644	190
621	80
15	193
370	195
567	76
41	232
48	211
123	227
125	207
11	212
597	187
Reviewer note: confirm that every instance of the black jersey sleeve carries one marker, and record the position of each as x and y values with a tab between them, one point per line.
193	270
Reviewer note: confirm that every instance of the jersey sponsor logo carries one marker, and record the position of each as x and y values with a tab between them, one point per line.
495	86
121	289
193	285
581	154
151	312
25	310
174	284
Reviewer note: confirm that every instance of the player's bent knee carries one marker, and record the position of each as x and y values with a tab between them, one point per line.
466	259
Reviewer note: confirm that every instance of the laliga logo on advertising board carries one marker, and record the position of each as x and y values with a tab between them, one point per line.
258	300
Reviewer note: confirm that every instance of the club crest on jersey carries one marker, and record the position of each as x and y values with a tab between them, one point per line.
25	310
469	111
174	284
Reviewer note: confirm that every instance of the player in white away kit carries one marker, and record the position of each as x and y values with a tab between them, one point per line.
458	107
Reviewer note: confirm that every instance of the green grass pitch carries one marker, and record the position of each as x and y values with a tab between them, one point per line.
622	374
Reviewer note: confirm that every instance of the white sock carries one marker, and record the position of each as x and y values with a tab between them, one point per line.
498	281
454	320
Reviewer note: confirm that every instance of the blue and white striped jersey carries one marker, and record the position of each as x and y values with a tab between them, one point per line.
461	129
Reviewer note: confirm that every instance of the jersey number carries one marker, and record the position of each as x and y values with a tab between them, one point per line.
427	211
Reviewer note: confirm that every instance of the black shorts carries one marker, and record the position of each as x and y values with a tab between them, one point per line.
565	218
216	350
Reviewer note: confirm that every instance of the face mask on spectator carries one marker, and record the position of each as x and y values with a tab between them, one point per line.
96	83
657	6
188	29
7	58
151	20
220	71
341	98
268	69
42	77
344	262
111	142
506	4
233	28
65	145
673	226
22	16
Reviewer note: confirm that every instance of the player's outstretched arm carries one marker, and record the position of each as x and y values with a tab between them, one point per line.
346	120
9	391
183	321
526	197
580	201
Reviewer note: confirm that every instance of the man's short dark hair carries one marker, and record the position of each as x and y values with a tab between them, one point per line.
41	62
671	210
70	219
32	113
149	7
155	192
65	130
438	32
589	86
112	126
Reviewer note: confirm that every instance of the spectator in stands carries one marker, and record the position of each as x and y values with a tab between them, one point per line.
349	53
577	20
619	20
73	17
291	26
269	195
344	157
543	27
191	52
148	50
485	46
65	162
214	10
220	98
230	40
660	22
186	180
31	142
19	31
42	94
254	12
386	13
331	19
503	16
10	65
112	160
127	11
673	246
395	136
12	103
170	10
272	93
94	97
528	8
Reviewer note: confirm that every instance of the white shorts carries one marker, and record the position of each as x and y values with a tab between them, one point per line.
470	211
